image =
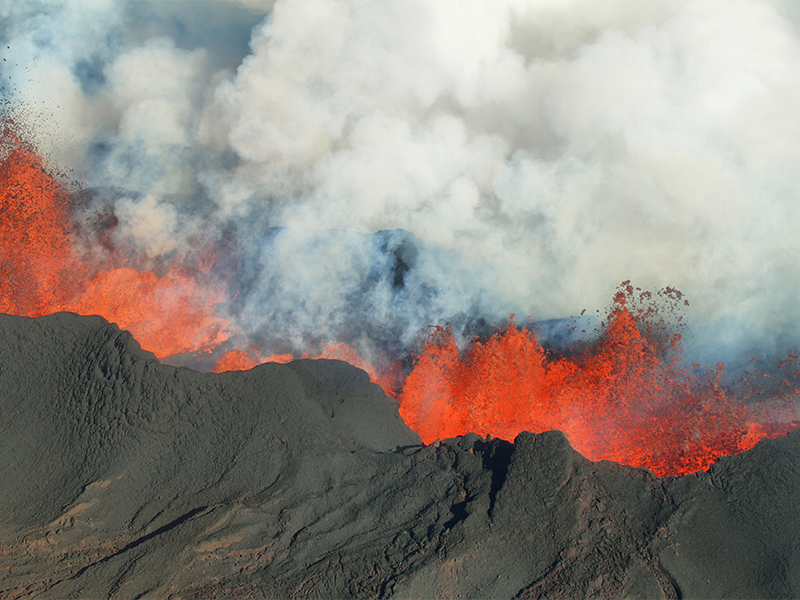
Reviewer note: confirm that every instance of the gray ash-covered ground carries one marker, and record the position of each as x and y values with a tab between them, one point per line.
125	478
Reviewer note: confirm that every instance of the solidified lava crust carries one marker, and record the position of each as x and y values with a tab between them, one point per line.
124	477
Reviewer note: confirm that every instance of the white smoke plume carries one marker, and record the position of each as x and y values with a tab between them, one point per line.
539	151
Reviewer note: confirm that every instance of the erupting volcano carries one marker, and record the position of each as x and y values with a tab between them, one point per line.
262	272
626	396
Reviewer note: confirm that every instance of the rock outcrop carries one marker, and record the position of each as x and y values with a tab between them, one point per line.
124	478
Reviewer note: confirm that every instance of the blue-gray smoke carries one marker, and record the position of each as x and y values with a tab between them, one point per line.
517	156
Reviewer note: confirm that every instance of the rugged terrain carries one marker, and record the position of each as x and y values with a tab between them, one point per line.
125	478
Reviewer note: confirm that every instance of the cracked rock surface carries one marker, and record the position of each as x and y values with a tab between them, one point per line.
126	478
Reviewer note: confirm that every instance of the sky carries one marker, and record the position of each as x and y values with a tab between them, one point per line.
521	156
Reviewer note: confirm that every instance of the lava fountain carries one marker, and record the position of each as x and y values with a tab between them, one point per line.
51	263
44	269
626	396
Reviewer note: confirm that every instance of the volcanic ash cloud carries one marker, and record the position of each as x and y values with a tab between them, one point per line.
548	151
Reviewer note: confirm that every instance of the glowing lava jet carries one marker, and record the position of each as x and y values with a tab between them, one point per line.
44	270
623	398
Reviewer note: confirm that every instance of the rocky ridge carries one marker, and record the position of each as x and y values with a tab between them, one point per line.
126	478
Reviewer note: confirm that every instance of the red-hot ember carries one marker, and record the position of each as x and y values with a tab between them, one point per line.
42	270
625	399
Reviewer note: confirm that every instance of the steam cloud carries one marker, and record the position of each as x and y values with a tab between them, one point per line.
539	152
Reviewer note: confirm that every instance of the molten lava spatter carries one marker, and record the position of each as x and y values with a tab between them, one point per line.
624	399
169	314
43	271
35	250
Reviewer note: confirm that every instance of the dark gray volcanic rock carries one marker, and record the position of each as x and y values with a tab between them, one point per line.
125	478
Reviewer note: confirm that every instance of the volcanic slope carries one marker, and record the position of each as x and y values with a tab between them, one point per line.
124	478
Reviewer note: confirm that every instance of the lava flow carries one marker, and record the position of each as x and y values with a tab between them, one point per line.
625	399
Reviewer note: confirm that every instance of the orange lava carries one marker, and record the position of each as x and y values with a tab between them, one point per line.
624	400
387	377
42	271
167	315
235	360
242	360
35	247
